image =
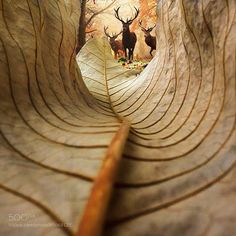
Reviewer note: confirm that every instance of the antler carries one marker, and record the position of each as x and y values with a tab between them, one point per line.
151	28
140	25
105	31
136	15
117	15
116	35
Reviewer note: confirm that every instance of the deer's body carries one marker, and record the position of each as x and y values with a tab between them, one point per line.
151	42
116	45
149	39
129	39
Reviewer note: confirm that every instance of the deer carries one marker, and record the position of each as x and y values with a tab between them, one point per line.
149	39
116	45
129	39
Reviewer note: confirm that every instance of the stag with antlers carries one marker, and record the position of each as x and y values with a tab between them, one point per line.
116	45
129	39
149	39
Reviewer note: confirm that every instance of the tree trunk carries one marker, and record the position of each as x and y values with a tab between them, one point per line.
82	27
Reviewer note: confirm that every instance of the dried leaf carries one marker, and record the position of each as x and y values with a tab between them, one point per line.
177	175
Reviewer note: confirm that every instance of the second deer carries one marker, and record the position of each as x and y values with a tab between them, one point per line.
116	45
149	39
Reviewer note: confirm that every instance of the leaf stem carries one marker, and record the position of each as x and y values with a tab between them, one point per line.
96	208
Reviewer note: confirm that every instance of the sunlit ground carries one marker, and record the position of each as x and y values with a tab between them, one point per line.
138	65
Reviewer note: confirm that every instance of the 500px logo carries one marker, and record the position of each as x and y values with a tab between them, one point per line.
20	217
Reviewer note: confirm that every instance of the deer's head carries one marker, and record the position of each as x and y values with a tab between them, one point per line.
112	37
147	31
129	21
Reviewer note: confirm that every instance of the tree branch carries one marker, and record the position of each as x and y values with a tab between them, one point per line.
99	12
90	31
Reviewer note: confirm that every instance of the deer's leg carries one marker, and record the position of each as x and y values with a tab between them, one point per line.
125	53
130	53
151	51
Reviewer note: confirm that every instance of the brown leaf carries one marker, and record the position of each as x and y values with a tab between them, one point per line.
62	137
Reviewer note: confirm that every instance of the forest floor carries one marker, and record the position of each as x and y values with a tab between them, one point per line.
138	65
